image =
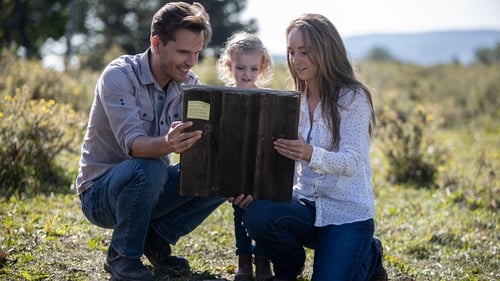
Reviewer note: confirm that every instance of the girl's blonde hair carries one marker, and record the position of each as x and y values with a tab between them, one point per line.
244	42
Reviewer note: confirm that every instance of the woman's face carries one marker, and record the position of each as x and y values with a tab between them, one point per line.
299	56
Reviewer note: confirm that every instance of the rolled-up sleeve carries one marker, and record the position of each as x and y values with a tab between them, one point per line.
118	97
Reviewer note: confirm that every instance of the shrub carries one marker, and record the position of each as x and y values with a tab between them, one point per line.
412	153
72	87
33	133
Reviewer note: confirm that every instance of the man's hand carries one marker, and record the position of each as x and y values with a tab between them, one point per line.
175	141
179	141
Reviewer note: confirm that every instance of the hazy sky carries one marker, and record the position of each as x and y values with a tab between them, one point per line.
356	17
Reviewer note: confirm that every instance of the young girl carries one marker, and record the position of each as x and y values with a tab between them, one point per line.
245	62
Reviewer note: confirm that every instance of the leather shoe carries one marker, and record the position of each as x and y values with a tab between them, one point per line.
263	269
245	269
126	269
159	253
382	274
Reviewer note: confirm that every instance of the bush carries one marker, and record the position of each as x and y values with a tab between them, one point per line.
412	153
459	95
33	134
72	87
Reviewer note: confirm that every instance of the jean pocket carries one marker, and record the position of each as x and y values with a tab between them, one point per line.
94	210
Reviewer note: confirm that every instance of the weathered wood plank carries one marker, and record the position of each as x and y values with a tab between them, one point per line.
235	154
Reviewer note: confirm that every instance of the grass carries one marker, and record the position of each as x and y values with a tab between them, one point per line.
425	233
426	236
445	233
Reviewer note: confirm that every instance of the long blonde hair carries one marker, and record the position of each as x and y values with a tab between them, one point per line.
334	69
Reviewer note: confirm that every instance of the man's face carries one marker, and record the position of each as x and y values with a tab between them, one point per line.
174	59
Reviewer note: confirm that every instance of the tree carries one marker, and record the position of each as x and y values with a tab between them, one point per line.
102	25
28	24
225	20
126	24
488	56
380	54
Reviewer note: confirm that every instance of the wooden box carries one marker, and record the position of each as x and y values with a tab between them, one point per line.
236	154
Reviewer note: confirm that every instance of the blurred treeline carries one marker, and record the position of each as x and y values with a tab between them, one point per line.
85	30
423	113
426	114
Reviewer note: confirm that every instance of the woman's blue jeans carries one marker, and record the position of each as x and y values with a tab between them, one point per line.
341	252
141	193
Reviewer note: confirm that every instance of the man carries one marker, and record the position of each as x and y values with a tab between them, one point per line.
125	179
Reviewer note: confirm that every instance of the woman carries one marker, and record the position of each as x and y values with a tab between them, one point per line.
332	210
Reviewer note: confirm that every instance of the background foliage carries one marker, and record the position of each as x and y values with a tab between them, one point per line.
435	158
435	152
89	28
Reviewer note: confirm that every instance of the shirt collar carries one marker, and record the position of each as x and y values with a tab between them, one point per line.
146	76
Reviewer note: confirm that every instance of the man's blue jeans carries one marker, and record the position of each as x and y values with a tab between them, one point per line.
141	193
341	252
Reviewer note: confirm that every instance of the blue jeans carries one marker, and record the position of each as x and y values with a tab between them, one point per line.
141	193
244	244
341	252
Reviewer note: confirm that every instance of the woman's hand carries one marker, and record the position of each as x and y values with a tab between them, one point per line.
294	149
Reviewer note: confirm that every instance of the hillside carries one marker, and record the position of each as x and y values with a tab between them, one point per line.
426	48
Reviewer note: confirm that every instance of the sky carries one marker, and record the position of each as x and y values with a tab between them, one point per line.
358	17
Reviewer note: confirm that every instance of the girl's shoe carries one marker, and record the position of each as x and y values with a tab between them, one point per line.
245	269
263	269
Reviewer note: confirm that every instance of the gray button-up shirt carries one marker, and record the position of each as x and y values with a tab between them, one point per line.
125	106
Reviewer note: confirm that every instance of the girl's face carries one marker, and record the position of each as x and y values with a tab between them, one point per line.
298	56
245	67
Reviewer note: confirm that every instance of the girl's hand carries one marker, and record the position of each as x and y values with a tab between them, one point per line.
242	200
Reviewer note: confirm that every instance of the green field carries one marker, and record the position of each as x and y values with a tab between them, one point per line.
435	157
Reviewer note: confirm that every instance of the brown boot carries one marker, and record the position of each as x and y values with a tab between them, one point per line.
263	269
382	274
245	269
3	256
